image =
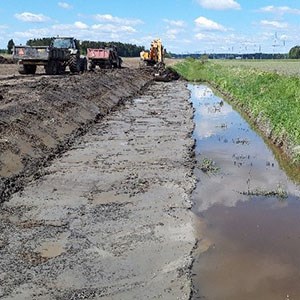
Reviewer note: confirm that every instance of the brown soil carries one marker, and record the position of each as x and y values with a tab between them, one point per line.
109	218
6	60
41	115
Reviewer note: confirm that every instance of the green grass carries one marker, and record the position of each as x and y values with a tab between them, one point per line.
272	98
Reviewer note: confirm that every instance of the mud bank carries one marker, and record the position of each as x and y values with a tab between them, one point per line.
40	116
110	218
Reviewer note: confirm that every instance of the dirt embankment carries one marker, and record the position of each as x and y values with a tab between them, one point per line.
41	115
109	218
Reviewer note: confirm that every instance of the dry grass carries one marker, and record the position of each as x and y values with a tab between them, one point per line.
284	66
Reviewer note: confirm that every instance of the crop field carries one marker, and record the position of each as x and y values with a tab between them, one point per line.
285	67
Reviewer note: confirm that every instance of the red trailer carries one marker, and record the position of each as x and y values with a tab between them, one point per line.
106	58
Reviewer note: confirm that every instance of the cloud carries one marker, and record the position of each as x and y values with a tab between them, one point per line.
80	25
200	36
219	4
213	42
116	20
64	5
177	23
274	24
32	33
208	25
283	37
280	10
171	34
82	31
111	28
31	18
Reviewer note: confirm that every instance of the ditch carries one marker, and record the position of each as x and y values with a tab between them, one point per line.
247	209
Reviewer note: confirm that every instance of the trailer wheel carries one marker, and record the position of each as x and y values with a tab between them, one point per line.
120	63
90	66
74	64
111	64
27	69
30	69
83	65
21	69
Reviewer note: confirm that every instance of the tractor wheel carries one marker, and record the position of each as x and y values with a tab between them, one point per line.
48	69
61	69
53	68
74	64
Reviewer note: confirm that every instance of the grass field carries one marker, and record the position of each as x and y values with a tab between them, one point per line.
270	97
285	67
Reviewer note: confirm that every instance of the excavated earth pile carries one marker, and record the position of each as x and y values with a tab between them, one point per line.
41	115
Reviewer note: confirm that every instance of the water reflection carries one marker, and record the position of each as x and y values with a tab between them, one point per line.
246	164
249	210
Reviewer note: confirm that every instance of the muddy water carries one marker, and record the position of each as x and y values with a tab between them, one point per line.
248	210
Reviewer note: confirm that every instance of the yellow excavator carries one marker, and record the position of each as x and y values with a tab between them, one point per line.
155	56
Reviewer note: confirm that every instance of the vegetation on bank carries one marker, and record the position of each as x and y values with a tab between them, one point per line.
269	97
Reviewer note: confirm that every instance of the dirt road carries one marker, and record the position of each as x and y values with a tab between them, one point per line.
109	218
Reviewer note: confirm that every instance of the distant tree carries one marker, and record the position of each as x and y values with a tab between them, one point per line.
168	54
294	53
39	42
204	58
10	46
125	50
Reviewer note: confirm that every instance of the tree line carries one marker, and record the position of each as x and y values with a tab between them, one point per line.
124	49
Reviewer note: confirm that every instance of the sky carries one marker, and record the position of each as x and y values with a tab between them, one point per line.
185	26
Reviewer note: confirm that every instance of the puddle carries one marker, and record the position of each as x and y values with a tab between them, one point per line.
53	248
248	208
